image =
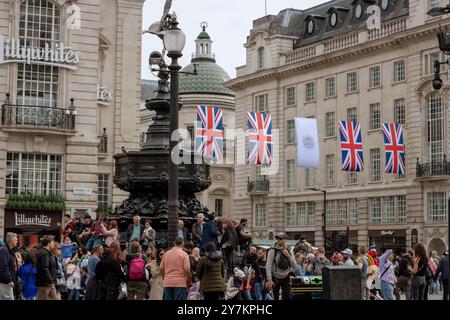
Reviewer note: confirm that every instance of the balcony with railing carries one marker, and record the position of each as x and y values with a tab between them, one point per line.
346	41
341	43
24	117
258	187
433	170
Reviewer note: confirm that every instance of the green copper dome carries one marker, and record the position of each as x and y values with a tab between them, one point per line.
203	35
210	76
209	79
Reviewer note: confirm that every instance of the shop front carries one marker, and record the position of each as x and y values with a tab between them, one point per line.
340	240
31	225
388	239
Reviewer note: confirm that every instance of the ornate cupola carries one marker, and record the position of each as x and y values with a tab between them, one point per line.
203	45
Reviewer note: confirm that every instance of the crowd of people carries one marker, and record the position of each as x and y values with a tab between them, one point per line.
87	261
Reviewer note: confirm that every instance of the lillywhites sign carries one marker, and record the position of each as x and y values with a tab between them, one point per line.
11	51
387	233
35	220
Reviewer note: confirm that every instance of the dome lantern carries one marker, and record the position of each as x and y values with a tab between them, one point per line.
203	44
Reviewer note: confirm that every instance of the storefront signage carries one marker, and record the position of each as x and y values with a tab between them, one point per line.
82	191
12	51
104	96
32	219
37	220
387	233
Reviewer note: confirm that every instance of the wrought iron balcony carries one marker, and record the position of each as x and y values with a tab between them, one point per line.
433	169
262	186
32	117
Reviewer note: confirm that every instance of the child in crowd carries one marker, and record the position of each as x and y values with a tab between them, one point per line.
67	249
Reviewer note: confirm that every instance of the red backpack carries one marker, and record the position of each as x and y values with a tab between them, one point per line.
137	269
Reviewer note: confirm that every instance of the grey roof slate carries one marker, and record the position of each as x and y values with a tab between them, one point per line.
292	22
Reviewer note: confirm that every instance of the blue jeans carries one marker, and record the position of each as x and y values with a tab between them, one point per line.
175	294
247	295
435	287
387	290
92	242
258	290
74	295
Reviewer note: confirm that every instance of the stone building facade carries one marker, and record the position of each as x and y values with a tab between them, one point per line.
327	63
73	102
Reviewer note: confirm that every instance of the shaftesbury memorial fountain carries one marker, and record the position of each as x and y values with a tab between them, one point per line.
144	173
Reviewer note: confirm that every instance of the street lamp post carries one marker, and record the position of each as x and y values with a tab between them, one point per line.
174	41
324	215
444	46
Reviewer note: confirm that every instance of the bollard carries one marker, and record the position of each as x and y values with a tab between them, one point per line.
341	283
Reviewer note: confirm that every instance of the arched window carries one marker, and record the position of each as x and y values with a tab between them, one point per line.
206	48
435	127
39	24
201	49
260	58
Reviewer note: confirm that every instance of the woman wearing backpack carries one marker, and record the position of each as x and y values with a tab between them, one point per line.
137	274
211	272
27	276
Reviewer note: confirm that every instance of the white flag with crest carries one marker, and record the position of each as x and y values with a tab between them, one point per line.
308	155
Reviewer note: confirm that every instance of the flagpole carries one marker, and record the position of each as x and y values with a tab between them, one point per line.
265	6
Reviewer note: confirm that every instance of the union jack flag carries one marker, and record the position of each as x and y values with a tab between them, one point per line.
394	147
351	146
260	138
209	132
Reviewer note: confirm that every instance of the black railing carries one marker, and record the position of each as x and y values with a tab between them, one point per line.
440	168
21	116
258	186
103	145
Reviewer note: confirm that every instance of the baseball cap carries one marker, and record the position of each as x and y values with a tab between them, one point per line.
347	251
281	235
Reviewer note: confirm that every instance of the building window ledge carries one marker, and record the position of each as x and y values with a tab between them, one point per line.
290	143
375	88
352	184
310	102
373	130
330	97
394	83
330	138
352	92
375	182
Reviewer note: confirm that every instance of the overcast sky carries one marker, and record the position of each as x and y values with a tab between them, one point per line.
229	23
